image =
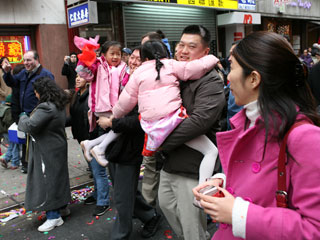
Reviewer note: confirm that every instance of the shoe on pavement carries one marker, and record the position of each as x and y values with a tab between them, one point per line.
86	150
151	227
65	212
3	163
24	169
100	210
90	201
50	224
99	156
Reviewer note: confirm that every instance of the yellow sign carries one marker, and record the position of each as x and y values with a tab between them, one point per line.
229	4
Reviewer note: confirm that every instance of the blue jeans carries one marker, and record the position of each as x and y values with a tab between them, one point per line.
53	214
13	154
101	184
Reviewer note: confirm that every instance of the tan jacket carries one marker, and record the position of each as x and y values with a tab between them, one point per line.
4	89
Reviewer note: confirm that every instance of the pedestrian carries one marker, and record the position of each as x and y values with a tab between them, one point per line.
108	73
126	52
165	41
13	152
155	88
270	191
314	78
48	186
124	155
306	58
4	89
23	81
204	101
69	69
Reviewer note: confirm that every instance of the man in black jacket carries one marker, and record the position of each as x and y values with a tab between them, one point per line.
69	69
204	100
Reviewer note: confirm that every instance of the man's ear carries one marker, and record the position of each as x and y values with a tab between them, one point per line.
255	79
207	50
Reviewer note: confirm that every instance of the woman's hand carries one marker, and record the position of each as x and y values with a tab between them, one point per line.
212	182
104	122
219	209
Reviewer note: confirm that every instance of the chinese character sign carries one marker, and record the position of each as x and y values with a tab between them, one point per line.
78	15
13	47
247	4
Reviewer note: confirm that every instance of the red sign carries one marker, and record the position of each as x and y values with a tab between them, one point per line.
247	19
13	47
237	36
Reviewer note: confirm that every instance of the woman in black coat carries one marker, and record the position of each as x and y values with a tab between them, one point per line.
48	187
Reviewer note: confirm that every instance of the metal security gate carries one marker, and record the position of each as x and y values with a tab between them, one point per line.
142	18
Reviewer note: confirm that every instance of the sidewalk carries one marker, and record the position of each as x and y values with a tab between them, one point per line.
13	182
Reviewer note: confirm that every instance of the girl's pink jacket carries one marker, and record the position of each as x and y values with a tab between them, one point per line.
159	98
255	179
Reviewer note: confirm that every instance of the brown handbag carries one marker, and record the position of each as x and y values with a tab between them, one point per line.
281	193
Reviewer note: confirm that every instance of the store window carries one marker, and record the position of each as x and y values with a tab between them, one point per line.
14	47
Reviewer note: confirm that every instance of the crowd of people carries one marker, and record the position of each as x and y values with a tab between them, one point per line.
139	106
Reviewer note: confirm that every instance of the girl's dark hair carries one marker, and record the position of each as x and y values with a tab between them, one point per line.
1	60
154	49
49	91
105	47
283	84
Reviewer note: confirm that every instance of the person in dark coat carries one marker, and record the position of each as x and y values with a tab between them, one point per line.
79	111
48	187
69	69
124	156
314	79
23	81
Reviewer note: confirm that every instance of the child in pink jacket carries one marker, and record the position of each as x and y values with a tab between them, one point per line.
160	105
106	75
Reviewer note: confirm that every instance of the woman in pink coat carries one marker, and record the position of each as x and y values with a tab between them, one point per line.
269	80
155	87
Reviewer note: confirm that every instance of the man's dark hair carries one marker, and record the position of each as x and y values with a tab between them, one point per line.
152	36
136	48
161	34
199	30
35	54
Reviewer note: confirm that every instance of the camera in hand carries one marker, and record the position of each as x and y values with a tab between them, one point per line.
210	191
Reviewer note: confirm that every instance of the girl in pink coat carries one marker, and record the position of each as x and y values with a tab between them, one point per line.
155	87
270	82
106	75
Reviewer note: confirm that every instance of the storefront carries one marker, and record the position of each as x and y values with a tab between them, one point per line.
37	25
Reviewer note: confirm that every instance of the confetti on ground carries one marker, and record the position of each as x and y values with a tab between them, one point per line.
168	233
81	194
97	217
108	219
90	223
51	237
45	233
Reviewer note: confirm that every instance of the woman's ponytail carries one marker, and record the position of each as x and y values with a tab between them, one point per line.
159	64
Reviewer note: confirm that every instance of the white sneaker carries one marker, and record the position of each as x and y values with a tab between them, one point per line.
99	156
86	150
50	224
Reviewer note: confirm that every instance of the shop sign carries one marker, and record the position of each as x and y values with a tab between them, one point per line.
82	14
228	4
12	49
247	4
300	3
239	18
280	2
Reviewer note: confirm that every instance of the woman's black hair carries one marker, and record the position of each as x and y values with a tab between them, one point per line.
49	91
1	60
105	47
283	85
154	49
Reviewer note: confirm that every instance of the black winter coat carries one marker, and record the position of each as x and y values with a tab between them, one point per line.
79	116
69	70
314	81
127	148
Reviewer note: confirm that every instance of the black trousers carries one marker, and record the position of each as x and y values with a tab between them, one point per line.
128	199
